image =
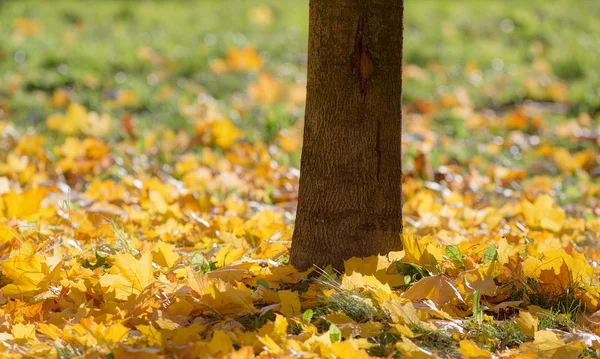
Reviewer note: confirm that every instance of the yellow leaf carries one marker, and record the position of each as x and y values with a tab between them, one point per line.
560	280
25	204
346	350
133	275
402	330
28	271
245	352
563	160
127	98
522	356
220	343
544	213
125	351
227	255
402	312
96	125
246	59
23	332
370	329
470	350
28	27
290	304
289	142
356	280
376	266
219	296
151	334
410	350
184	335
224	134
114	333
78	120
266	89
51	331
180	306
4	185
527	323
280	325
200	284
70	123
261	15
269	345
438	288
218	66
548	345
60	98
159	202
164	256
577	269
420	251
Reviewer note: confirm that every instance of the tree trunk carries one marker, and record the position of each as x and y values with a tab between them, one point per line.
350	200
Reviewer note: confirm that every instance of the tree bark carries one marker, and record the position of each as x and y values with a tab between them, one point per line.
350	199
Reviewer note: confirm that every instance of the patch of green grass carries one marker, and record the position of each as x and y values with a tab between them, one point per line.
318	318
354	304
451	125
436	341
556	320
499	40
187	41
385	348
590	353
100	262
496	335
254	322
65	353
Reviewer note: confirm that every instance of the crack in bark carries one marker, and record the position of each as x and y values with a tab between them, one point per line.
361	59
362	62
378	148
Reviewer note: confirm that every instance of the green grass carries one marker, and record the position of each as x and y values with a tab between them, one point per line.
354	304
556	320
188	34
501	39
497	335
385	345
436	341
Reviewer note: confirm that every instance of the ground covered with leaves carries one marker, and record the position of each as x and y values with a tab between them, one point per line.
148	184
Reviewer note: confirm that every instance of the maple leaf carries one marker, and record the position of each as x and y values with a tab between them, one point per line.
527	323
421	251
439	289
290	304
543	213
245	59
26	204
412	351
29	272
470	350
548	345
129	276
220	297
376	266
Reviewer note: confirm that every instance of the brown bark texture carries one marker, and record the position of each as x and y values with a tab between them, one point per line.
350	199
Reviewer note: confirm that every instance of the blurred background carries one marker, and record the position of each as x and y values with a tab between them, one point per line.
469	66
173	130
